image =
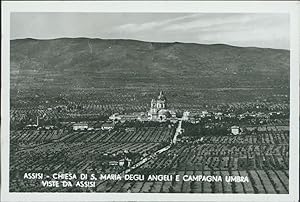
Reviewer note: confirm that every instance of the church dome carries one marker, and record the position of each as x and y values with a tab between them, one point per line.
164	112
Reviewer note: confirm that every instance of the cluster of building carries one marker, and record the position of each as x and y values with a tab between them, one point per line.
197	117
158	112
85	126
124	162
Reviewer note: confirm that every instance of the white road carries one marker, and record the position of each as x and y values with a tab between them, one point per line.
166	148
178	131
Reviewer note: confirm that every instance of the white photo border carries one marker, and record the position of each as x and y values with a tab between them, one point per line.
292	8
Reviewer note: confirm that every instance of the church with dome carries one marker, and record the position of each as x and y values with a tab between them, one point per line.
158	112
158	109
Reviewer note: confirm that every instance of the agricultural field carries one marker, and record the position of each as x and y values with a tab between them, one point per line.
262	157
260	153
145	134
81	151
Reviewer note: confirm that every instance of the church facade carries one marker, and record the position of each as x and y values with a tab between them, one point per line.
158	109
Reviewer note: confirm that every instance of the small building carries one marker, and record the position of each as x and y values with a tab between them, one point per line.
204	114
173	120
80	126
125	117
125	162
173	114
113	163
49	127
185	116
33	126
235	130
107	126
131	129
121	162
115	117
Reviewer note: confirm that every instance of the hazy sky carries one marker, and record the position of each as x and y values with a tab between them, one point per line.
239	29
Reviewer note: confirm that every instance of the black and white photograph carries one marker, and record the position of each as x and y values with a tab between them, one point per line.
141	102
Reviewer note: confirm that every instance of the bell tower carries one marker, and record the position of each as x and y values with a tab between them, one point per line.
161	101
153	108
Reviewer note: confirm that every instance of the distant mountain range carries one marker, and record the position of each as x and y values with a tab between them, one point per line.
98	63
